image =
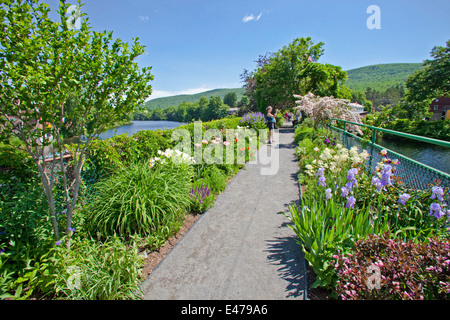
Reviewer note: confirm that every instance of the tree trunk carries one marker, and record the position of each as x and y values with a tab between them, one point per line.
49	194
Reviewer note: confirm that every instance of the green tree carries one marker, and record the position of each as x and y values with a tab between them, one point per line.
244	101
293	70
170	113
194	112
71	126
158	114
214	110
230	99
428	83
180	113
42	62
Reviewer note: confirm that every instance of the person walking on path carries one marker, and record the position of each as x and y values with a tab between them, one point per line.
271	122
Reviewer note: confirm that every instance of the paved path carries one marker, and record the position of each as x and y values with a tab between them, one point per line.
242	248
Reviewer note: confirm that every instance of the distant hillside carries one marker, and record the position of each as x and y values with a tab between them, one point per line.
381	76
176	100
378	77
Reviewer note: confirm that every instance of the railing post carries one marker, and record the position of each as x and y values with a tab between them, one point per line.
372	149
345	135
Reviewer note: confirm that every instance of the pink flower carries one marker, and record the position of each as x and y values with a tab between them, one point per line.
205	141
226	143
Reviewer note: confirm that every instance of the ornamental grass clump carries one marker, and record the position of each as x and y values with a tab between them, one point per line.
141	200
404	270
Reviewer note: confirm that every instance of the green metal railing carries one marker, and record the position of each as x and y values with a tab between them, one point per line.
413	173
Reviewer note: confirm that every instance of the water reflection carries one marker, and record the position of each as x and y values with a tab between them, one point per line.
432	155
136	126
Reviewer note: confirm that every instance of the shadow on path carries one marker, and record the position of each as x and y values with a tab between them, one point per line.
286	253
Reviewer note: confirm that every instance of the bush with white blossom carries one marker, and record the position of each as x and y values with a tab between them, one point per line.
322	109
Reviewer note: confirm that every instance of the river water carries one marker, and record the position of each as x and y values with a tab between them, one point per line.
432	155
136	126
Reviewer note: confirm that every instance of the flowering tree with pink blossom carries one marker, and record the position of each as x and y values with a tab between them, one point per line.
322	109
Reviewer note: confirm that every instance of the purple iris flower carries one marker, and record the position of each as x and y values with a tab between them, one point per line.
386	174
351	202
322	181
377	182
344	191
438	192
349	185
403	198
320	172
351	174
435	210
328	193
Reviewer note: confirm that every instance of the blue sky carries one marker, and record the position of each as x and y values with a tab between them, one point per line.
198	45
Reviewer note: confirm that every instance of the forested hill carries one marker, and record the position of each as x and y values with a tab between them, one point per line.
381	76
176	100
378	77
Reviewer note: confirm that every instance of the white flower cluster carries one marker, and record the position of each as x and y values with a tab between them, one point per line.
299	151
322	109
334	160
176	156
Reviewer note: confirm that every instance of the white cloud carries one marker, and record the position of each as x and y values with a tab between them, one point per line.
250	17
144	18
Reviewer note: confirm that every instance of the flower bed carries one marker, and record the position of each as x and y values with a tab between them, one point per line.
136	194
343	205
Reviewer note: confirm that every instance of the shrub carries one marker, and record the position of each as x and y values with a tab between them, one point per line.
149	142
6	278
304	132
254	120
225	123
140	199
407	270
102	161
280	120
215	178
229	170
35	277
24	221
322	109
15	164
92	270
432	129
126	148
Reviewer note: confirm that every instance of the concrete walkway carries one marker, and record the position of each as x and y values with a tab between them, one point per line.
242	248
